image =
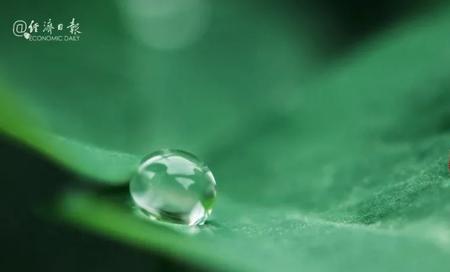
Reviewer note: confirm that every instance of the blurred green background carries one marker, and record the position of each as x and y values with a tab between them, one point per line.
326	124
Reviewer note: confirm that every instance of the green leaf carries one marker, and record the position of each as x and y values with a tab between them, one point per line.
131	98
89	160
346	172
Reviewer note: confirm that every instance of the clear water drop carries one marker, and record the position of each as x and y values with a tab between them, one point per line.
174	186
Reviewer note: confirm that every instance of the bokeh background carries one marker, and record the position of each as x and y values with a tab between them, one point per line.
314	105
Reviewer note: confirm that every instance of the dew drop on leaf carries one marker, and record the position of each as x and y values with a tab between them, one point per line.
174	186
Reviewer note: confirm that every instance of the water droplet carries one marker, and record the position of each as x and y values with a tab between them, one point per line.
174	186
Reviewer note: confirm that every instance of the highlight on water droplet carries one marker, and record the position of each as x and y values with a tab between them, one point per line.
174	186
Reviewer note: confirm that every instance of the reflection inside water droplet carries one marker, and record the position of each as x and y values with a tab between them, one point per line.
174	186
